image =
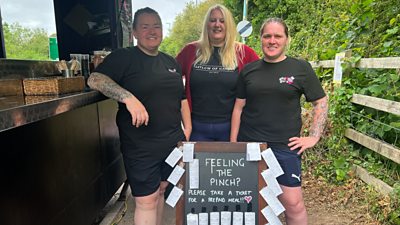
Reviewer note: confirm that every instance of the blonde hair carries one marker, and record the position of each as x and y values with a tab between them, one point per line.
228	50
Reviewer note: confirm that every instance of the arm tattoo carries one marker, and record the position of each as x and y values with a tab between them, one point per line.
320	114
108	87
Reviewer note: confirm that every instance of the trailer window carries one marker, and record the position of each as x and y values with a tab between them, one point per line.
29	29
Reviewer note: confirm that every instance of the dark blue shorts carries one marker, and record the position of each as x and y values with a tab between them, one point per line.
291	166
144	176
210	131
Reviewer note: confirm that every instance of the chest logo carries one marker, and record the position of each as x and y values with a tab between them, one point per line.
287	80
172	70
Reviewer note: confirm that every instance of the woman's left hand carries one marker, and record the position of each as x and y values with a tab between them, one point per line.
302	142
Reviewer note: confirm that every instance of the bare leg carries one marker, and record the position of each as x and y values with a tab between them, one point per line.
292	200
161	202
146	209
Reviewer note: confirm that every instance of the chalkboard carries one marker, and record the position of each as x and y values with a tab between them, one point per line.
227	182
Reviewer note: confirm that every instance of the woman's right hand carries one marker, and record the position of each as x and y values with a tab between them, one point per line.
187	132
137	111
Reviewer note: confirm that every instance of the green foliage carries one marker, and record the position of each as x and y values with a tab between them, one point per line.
187	26
319	29
339	153
394	216
386	209
25	43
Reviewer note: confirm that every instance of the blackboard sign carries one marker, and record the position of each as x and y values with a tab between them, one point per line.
227	182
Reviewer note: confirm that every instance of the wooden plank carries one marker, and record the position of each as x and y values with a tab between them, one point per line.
323	64
378	184
384	63
380	147
373	63
377	103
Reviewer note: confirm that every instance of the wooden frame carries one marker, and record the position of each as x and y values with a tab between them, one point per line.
227	147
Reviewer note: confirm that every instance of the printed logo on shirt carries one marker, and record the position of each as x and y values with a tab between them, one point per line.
212	68
287	80
172	70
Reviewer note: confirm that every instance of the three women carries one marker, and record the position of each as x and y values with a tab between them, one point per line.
148	86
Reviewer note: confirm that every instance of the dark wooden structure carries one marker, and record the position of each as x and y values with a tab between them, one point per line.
221	148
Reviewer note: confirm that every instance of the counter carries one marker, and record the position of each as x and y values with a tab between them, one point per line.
20	110
60	160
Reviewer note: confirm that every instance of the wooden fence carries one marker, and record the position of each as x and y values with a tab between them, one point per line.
389	151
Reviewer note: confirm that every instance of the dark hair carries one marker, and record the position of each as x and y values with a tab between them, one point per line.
275	20
141	11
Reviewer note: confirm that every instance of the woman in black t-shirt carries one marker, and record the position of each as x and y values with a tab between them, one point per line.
267	109
149	89
211	66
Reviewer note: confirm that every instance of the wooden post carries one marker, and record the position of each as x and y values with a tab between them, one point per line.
338	70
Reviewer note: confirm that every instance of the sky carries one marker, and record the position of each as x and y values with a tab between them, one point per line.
167	9
40	13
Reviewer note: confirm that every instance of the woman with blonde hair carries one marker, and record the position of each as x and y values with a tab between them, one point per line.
211	66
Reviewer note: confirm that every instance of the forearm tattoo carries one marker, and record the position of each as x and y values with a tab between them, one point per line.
320	114
108	87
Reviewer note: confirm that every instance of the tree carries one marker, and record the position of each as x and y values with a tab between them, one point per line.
25	43
187	26
319	28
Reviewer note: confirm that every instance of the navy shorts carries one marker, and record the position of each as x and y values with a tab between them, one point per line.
144	176
291	166
210	131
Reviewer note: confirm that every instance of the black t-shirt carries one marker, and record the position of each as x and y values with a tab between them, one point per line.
156	82
212	89
272	91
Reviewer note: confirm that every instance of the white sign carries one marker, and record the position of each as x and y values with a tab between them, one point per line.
338	71
174	196
244	28
272	162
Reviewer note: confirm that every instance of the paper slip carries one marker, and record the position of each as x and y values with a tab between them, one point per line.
270	216
237	218
271	181
203	218
176	175
253	152
194	174
174	157
188	152
192	219
174	196
226	217
272	162
272	200
249	218
214	218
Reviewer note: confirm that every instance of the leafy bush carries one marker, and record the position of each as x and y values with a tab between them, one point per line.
320	29
25	43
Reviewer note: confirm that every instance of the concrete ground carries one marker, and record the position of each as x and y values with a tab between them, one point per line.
120	210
